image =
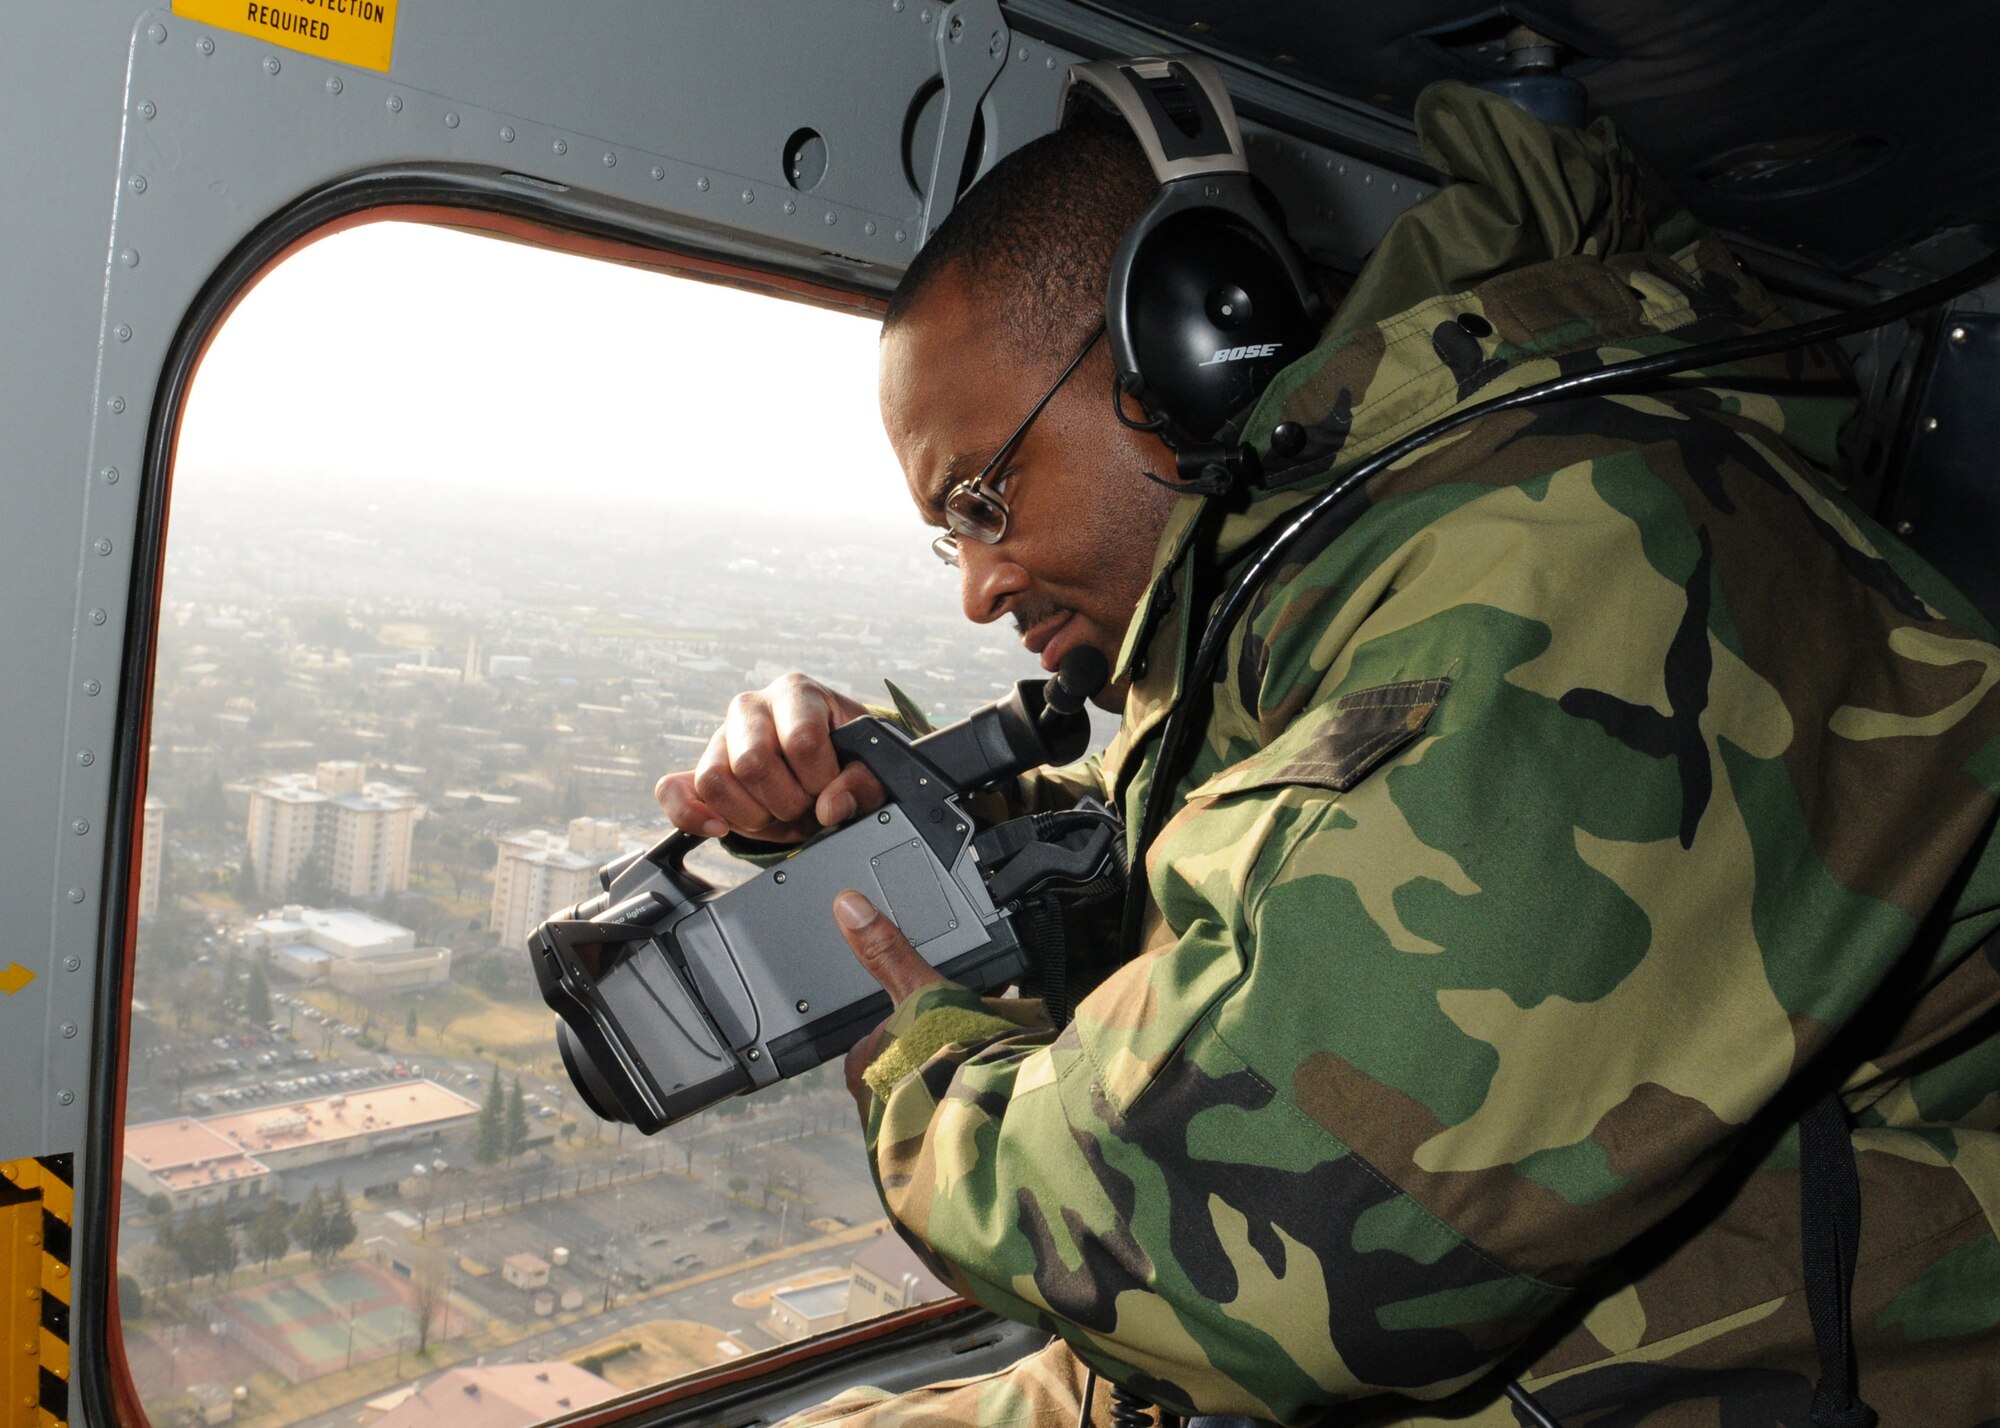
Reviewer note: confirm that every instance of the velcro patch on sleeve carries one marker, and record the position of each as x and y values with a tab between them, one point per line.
1338	744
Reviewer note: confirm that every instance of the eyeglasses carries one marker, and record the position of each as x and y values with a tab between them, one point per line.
978	511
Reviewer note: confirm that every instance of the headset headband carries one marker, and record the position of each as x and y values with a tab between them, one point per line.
1139	89
1206	299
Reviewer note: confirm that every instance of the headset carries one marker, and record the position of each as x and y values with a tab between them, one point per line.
1207	299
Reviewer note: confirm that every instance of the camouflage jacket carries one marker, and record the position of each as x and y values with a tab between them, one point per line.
1600	788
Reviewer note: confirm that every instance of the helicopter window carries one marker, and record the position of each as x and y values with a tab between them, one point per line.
469	542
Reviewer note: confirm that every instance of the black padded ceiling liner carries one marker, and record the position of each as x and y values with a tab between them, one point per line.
1836	128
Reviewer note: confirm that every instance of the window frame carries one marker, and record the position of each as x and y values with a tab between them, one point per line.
486	205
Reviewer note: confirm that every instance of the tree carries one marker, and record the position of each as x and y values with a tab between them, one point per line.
410	1024
515	1131
491	1142
270	1234
257	996
340	1227
430	1293
738	1184
308	1227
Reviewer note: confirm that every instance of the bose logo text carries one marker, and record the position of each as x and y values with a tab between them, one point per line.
1237	354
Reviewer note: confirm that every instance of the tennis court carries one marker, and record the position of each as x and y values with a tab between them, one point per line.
321	1321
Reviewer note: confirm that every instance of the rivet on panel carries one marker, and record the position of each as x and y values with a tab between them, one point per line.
658	173
1368	178
333	84
395	103
896	5
92	688
117	405
1021	54
97	617
138	183
102	545
67	1098
702	184
85	758
506	133
925	16
111	475
1930	423
901	235
80	827
560	146
130	257
831	219
791	207
450	121
69	1030
157	34
205	45
272	64
749	195
869	229
147	109
611	161
1959	336
73	964
76	894
1049	63
122	332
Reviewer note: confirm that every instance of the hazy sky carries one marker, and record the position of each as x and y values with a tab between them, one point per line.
396	350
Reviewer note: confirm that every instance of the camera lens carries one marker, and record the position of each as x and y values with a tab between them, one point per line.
591	1084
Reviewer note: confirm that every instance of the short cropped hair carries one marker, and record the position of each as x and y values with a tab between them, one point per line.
1033	239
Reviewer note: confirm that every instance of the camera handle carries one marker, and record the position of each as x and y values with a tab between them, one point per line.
1040	722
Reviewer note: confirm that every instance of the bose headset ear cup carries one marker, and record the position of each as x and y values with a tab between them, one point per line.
1206	238
1211	316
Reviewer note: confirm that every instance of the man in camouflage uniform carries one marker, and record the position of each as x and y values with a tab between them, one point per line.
1595	794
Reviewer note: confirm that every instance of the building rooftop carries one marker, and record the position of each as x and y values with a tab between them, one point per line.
893	1262
185	1153
500	1396
350	931
404	1105
815	1301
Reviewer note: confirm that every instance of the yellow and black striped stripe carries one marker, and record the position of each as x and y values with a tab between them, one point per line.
37	1379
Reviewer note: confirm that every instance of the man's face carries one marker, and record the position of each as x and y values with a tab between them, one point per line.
1079	546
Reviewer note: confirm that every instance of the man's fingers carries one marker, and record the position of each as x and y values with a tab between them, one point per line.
684	809
804	722
757	759
879	945
854	790
718	787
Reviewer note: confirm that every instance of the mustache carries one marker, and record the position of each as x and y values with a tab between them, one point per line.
1027	616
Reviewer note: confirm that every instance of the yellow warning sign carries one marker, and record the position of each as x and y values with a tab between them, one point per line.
357	32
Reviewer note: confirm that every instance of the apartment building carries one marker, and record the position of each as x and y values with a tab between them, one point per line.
539	873
355	831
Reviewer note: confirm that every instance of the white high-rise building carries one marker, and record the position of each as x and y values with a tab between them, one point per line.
151	839
539	873
357	832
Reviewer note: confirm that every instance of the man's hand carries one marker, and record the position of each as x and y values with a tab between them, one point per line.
887	956
770	771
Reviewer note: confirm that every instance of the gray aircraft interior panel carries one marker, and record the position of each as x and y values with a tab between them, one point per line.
159	145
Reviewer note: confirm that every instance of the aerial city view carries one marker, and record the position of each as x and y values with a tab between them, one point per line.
395	725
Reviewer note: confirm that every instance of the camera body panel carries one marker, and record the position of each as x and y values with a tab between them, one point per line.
673	995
